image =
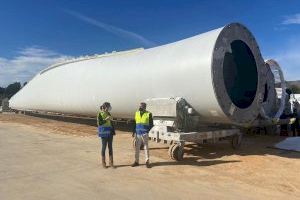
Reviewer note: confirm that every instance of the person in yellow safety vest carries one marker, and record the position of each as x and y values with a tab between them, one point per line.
106	132
143	124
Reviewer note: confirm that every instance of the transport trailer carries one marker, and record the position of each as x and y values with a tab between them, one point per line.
176	122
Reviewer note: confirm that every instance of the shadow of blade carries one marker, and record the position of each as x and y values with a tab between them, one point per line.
251	145
120	166
193	163
158	148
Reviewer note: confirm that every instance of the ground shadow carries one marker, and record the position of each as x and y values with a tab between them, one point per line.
187	161
251	145
193	162
157	148
65	118
120	166
121	126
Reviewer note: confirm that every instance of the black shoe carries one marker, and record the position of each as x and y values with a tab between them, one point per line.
148	164
135	164
111	162
104	163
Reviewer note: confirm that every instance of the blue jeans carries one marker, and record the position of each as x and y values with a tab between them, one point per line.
107	142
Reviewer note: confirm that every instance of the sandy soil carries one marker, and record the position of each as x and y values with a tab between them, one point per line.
255	171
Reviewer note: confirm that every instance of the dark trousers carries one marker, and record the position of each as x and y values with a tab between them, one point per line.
107	142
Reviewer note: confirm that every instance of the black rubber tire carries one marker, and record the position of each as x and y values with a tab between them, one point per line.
171	150
177	152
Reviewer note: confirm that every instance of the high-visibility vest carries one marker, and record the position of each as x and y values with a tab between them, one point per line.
142	122
105	129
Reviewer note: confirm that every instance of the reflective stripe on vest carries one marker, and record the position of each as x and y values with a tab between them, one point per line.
142	122
105	129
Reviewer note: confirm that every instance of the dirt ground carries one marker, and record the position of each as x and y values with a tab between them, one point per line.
256	171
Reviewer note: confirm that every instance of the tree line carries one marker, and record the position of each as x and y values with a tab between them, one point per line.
10	90
295	89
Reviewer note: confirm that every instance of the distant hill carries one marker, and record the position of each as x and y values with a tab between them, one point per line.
294	86
296	83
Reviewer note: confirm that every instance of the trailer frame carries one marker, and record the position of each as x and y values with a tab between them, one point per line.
176	123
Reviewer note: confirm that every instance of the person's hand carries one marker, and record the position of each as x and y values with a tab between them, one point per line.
108	118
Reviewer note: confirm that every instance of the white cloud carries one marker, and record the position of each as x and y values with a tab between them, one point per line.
289	59
113	29
26	64
292	19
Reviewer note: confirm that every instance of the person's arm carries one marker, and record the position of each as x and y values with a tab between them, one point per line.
113	131
150	121
134	128
100	120
109	117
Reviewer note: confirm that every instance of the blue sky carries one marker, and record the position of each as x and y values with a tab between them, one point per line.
35	34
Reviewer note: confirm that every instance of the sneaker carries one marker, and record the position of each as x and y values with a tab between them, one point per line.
148	164
111	163
104	163
135	164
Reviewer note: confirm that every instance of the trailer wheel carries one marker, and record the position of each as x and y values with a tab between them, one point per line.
171	150
134	144
236	141
176	152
